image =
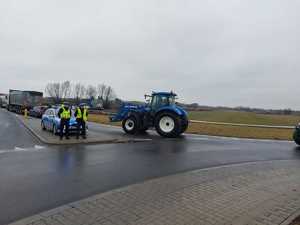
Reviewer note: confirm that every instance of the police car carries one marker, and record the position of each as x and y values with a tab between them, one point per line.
51	121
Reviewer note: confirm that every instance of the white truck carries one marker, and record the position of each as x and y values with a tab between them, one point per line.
18	101
3	100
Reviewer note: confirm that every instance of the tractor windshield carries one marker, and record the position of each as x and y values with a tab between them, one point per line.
162	100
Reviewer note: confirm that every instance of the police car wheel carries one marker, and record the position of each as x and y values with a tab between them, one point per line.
54	130
43	126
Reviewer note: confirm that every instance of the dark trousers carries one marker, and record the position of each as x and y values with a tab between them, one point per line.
81	127
64	123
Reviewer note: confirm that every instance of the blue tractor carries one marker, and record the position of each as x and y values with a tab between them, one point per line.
160	112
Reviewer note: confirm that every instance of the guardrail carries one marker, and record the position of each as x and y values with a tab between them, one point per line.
243	125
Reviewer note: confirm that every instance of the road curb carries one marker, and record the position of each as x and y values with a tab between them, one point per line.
237	138
291	218
34	134
108	141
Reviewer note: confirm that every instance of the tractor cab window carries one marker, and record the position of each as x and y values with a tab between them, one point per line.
172	100
160	101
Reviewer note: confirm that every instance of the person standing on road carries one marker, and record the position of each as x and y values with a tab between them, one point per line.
64	114
81	114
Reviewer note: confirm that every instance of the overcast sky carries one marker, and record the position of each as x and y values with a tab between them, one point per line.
231	53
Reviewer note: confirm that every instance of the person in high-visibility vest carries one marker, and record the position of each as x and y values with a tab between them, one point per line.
81	114
64	114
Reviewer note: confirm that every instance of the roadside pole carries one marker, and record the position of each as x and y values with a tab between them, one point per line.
26	113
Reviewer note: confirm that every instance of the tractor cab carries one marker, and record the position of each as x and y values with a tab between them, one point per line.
160	99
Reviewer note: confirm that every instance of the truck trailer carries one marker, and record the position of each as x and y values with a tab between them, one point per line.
18	100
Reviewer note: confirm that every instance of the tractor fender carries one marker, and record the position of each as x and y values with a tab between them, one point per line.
132	113
177	110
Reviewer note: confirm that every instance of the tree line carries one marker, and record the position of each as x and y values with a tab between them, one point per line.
60	91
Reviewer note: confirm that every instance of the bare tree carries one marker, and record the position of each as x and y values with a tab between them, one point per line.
79	91
53	91
58	91
109	96
61	91
91	91
65	89
101	88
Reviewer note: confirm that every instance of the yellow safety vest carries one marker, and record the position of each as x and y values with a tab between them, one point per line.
82	115
65	114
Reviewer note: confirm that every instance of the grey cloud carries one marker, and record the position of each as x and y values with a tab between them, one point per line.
212	52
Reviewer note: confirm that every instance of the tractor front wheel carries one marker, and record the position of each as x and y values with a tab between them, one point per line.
130	125
168	124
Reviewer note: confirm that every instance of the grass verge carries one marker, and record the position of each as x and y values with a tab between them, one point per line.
240	132
220	130
244	118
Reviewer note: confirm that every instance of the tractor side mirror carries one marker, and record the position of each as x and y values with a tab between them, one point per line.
147	98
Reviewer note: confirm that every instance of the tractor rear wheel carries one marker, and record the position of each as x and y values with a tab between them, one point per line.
130	125
168	124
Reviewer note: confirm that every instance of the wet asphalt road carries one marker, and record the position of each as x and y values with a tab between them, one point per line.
35	178
12	133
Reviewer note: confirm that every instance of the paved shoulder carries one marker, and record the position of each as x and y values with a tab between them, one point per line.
13	134
252	193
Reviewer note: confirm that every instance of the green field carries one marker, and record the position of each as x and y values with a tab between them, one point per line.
244	118
233	131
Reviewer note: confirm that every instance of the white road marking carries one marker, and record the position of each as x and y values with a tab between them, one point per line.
142	139
193	136
39	147
19	149
200	138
